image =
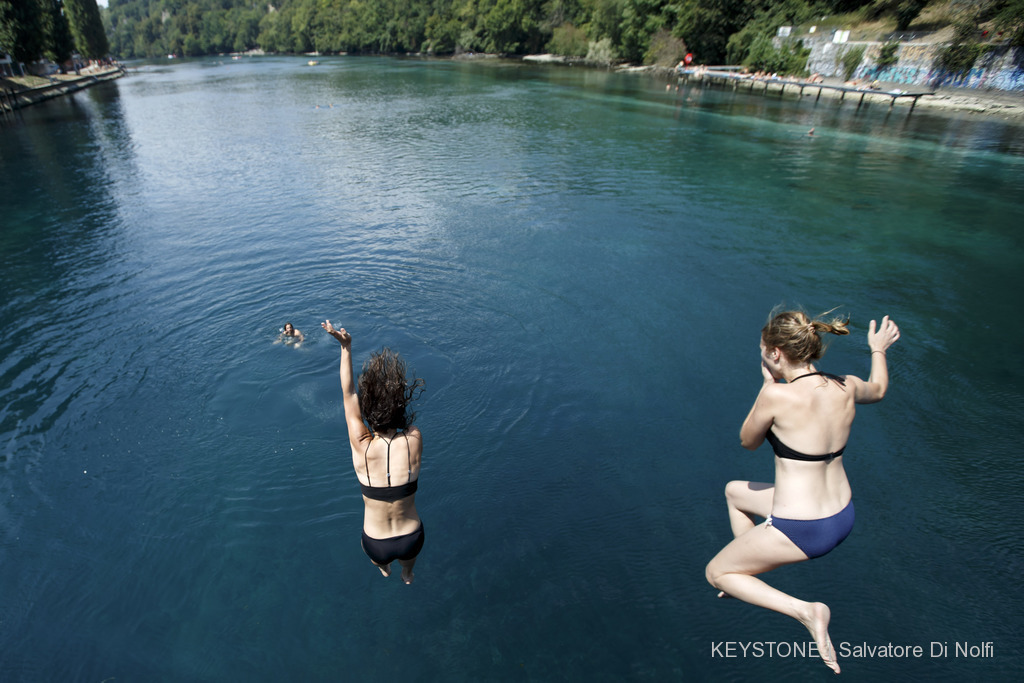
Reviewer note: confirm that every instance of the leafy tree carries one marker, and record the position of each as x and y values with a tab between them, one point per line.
275	31
568	40
87	28
765	24
59	42
511	26
601	51
705	25
605	19
665	49
641	20
789	58
22	29
441	32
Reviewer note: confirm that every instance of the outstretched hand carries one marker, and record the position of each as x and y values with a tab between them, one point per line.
884	337
340	334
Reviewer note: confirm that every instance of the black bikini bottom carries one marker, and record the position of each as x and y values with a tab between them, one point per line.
384	550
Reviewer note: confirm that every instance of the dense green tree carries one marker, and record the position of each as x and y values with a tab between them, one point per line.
603	19
22	29
760	30
568	40
275	32
716	31
87	28
441	31
59	42
705	25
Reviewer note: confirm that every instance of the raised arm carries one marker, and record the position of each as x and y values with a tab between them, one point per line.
761	416
879	340
357	429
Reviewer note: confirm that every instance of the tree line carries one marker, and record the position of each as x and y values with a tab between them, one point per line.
638	31
609	30
642	31
31	30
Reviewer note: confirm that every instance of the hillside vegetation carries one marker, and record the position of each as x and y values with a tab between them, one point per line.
606	31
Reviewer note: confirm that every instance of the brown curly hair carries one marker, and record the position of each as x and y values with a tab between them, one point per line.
799	336
385	393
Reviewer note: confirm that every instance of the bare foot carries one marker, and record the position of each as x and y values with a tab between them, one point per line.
817	623
385	570
408	579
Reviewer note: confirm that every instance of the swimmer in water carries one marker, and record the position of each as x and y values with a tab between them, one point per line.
806	416
290	335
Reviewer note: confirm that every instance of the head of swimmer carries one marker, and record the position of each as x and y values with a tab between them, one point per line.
385	393
289	329
794	338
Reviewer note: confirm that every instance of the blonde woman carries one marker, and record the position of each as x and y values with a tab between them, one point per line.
806	416
386	454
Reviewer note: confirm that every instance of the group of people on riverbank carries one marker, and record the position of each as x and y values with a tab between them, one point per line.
804	413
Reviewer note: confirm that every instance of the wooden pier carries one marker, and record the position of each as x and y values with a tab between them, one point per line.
726	75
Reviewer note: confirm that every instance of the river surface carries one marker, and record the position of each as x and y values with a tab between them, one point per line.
578	263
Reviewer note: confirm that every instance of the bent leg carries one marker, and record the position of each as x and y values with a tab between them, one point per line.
761	550
745	500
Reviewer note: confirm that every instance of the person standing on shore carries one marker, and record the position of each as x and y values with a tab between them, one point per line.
386	455
809	509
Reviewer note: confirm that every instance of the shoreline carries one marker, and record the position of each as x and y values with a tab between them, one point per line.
1001	104
19	92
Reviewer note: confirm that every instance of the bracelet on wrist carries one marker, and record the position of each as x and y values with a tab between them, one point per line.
881	352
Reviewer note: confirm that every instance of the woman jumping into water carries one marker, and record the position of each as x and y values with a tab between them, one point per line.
386	456
809	509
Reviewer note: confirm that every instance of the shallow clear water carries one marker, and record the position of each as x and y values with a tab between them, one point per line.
578	263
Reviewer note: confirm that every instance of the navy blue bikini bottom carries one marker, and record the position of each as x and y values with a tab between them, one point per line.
816	537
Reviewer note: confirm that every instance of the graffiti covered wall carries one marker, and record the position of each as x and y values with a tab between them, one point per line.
1001	69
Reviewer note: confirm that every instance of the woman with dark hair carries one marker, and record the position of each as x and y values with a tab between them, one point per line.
392	529
809	509
290	335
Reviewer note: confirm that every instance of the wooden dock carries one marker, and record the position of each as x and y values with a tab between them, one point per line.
726	75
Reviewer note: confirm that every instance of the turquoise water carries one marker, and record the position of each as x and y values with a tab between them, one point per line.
578	263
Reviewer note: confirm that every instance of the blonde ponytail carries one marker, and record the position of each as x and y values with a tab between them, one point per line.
798	336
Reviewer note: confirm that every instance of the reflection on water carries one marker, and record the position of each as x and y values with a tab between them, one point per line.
578	262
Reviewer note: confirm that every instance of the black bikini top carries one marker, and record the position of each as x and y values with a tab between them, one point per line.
784	451
827	375
389	493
